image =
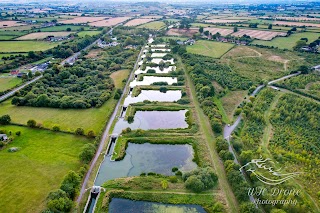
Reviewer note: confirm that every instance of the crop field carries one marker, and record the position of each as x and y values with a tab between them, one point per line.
224	21
300	18
25	46
209	48
63	28
223	32
38	167
79	20
19	28
67	119
259	34
42	35
151	17
289	42
89	33
109	22
182	32
5	24
156	25
138	21
8	83
7	37
298	24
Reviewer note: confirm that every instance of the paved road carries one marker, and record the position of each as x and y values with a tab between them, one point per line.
285	77
106	133
257	90
11	93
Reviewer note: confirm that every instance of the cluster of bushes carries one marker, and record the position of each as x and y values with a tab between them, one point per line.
200	179
61	200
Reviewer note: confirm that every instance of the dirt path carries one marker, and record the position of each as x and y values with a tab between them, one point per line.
209	137
267	132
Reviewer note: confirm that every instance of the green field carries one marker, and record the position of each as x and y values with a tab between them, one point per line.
89	33
6	37
156	25
63	28
288	42
25	46
7	83
209	48
44	158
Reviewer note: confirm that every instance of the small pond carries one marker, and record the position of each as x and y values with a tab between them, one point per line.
148	120
158	158
125	205
154	95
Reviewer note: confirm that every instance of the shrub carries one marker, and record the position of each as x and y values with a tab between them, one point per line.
183	101
31	123
200	179
163	89
18	133
56	128
91	134
79	131
87	153
164	184
174	169
5	119
70	184
58	201
130	119
173	179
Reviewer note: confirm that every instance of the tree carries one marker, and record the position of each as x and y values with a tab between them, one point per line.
70	184
163	89
201	29
68	29
31	123
91	134
56	128
87	153
5	119
300	44
79	131
304	69
206	33
18	133
270	26
195	184
164	184
130	119
30	75
58	201
235	29
200	179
